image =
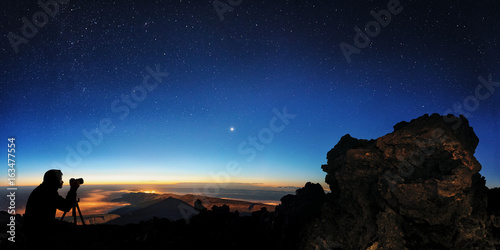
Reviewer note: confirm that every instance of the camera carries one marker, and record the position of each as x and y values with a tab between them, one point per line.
79	180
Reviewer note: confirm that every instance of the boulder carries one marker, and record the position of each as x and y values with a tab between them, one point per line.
418	187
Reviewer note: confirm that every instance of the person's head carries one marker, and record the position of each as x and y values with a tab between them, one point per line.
53	178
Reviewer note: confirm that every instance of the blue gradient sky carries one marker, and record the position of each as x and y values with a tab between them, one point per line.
233	73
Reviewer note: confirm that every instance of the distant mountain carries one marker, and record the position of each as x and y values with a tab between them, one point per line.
142	200
169	208
243	207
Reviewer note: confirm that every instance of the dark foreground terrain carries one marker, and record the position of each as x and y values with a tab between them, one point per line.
418	187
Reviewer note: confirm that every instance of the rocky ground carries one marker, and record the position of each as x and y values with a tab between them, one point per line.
418	187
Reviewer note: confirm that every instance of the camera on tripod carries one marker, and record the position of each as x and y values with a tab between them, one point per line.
75	207
78	180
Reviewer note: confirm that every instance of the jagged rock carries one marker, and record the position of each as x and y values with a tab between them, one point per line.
417	187
294	212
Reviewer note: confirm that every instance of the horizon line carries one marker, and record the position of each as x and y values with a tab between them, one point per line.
221	184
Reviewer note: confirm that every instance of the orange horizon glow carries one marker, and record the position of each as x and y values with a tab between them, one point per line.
97	198
96	202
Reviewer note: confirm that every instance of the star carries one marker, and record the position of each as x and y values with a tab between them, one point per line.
231	129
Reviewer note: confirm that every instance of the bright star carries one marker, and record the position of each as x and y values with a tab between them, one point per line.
232	129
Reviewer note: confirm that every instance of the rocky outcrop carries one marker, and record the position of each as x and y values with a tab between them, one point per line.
418	187
294	212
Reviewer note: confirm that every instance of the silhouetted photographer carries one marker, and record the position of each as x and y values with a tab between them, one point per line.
39	219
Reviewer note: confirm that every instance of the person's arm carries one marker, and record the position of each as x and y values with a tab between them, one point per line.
66	204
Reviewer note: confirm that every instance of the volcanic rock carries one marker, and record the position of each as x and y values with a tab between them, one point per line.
294	212
418	187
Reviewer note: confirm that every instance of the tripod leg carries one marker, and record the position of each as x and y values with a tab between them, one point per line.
74	213
80	212
64	214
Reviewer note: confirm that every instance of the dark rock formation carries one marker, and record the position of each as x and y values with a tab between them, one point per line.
494	201
294	212
418	187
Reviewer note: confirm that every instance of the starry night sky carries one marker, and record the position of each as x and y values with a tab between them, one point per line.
263	58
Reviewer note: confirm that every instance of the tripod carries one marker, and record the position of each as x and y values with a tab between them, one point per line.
75	206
